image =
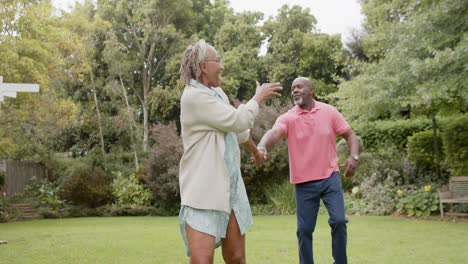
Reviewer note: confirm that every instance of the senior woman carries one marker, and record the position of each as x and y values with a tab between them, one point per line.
214	206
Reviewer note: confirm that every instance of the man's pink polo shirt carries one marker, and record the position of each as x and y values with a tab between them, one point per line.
312	141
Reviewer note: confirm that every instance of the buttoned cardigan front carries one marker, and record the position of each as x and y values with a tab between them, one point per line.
203	176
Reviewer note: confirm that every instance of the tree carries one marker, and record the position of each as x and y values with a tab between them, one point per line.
147	29
207	18
355	45
84	82
423	73
239	40
29	39
285	36
417	63
295	49
322	59
382	20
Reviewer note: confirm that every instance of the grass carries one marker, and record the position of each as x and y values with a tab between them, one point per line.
271	240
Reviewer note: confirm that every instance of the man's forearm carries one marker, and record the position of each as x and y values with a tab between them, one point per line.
269	139
353	144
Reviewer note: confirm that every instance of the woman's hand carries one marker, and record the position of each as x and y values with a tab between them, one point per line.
266	91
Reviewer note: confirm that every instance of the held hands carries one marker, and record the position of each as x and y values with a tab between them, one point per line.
266	91
259	158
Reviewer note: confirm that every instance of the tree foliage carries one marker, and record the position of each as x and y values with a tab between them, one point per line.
418	61
29	123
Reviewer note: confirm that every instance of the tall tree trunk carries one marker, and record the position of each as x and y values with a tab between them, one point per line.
147	74
145	115
145	123
435	144
101	137
130	115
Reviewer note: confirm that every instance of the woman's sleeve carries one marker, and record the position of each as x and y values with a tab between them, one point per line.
206	109
243	137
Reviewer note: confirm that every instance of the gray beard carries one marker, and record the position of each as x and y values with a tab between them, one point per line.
298	101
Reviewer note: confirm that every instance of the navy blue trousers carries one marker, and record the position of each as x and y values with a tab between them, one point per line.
308	195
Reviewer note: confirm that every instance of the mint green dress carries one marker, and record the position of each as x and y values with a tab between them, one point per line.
214	222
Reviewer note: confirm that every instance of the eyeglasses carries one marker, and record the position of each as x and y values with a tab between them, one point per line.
215	60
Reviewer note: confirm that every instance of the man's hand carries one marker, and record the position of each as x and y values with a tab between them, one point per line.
350	165
353	146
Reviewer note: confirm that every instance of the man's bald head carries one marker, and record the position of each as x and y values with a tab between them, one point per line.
306	81
302	92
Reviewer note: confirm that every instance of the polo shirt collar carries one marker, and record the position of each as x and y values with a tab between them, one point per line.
300	111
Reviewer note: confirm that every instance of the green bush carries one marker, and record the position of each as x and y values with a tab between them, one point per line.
422	155
419	202
111	210
136	211
49	214
355	204
385	165
58	167
378	197
128	192
85	185
280	200
81	211
43	194
459	208
121	162
455	140
7	212
161	171
389	133
78	211
421	149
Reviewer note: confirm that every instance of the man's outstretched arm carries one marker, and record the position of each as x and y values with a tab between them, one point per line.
270	138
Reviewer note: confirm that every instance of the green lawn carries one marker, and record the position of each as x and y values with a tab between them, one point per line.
271	240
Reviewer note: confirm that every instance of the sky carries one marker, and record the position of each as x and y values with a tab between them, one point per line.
333	16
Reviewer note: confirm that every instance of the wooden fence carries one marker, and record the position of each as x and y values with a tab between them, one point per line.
18	174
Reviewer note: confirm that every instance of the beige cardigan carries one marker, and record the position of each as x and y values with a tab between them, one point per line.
203	176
